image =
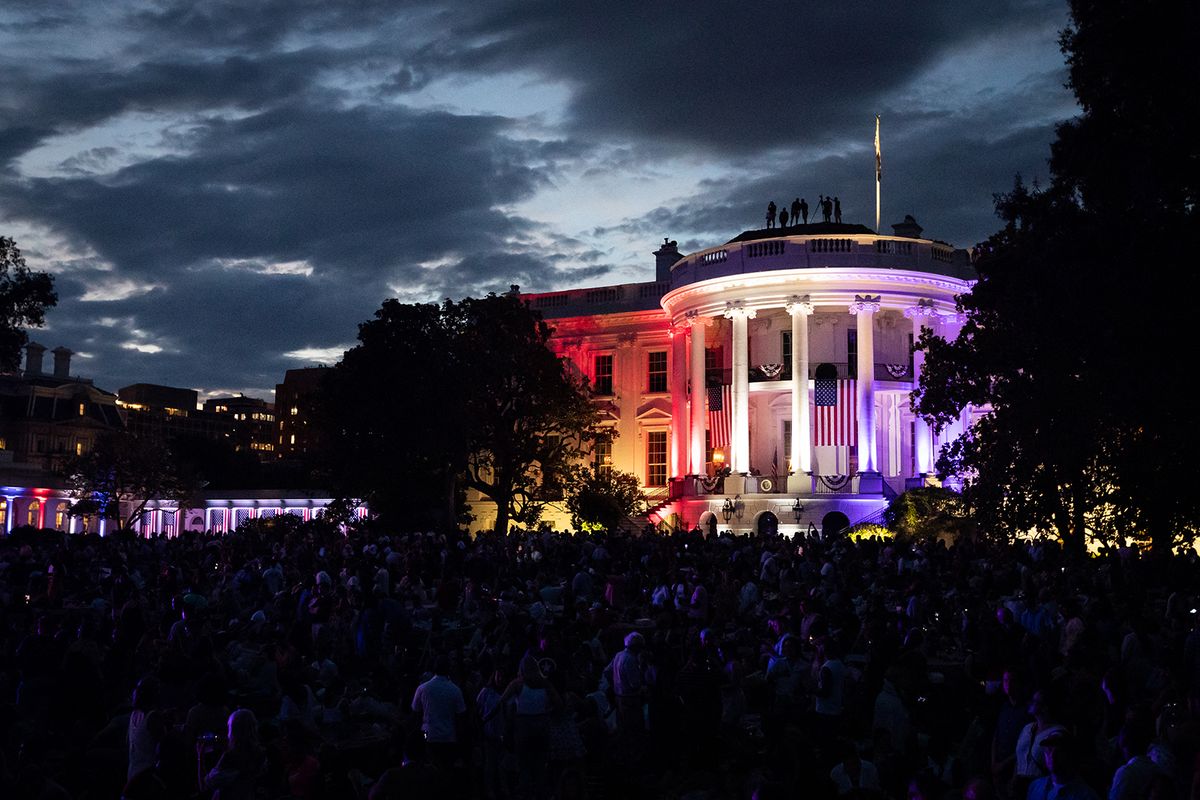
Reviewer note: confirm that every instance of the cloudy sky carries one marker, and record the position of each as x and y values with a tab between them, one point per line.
223	190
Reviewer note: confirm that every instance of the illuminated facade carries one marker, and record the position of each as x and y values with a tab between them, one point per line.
252	423
295	432
835	304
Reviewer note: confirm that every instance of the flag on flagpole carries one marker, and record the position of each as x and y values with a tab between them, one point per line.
835	419
878	155
720	415
878	172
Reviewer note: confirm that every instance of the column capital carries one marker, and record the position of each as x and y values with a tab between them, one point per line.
923	308
694	319
799	304
865	304
737	308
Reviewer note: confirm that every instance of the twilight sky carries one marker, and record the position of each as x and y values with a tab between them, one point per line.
224	190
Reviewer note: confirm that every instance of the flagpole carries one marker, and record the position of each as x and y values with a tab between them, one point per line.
878	173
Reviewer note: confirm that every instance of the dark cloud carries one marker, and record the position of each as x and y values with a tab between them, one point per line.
767	75
296	179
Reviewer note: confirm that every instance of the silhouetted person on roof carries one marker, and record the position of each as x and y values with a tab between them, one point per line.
783	218
771	214
837	211
826	208
804	210
796	211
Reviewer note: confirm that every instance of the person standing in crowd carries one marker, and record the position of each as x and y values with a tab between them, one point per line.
628	683
439	702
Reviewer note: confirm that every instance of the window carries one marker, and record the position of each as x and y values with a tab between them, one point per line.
60	517
79	448
3	513
785	355
656	374
602	457
852	353
787	446
82	409
603	383
713	366
656	458
32	516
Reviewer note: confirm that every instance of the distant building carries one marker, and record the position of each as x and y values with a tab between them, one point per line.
162	413
252	420
295	429
765	382
45	420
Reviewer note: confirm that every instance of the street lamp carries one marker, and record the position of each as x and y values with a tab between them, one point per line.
797	510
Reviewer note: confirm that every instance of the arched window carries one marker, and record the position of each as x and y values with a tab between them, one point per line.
32	516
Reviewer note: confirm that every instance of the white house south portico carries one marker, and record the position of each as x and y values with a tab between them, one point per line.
772	372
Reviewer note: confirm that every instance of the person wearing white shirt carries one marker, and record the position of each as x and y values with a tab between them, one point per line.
439	702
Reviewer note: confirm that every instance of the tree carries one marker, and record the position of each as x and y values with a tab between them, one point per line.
123	470
437	398
529	418
1086	436
24	298
604	498
393	410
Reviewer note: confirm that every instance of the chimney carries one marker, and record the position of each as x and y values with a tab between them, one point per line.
62	362
664	258
909	229
33	358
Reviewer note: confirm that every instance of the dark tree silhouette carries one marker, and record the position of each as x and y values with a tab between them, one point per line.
24	298
1077	331
435	399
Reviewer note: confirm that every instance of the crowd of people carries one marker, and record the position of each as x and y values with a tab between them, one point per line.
295	660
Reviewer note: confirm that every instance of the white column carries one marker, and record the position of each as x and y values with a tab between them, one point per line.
922	315
678	387
865	307
801	465
10	511
697	324
740	455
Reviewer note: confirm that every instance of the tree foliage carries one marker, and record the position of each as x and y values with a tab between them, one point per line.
24	297
438	398
1073	335
122	469
928	513
604	498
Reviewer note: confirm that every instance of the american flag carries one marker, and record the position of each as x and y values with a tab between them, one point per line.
720	415
835	421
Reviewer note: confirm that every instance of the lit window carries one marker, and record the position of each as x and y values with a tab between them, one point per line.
656	458
656	377
603	456
60	517
293	440
79	448
603	383
31	517
82	409
3	512
295	411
